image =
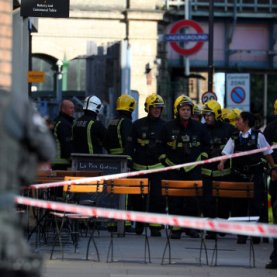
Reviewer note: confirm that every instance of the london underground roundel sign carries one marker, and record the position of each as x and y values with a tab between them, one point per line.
174	37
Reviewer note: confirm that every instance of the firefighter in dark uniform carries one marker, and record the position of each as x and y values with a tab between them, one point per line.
117	134
219	132
197	112
270	134
143	153
248	168
120	127
63	134
183	140
88	132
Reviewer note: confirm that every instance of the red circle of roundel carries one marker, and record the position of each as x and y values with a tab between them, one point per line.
178	26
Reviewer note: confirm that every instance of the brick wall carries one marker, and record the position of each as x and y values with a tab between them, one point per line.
5	44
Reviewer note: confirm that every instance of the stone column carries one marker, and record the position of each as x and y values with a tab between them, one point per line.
5	44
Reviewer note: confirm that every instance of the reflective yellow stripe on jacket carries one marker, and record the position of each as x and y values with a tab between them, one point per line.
89	138
187	168
215	173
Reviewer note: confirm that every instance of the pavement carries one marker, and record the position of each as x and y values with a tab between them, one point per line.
233	259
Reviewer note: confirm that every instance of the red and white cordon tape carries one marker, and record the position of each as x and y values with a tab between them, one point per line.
144	172
217	225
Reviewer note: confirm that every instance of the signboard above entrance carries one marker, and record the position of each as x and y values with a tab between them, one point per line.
174	37
45	8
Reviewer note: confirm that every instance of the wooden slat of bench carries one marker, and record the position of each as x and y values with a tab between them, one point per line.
181	192
83	188
233	185
42	180
182	184
128	182
233	193
91	182
127	190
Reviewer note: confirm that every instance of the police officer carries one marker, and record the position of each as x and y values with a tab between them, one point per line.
270	134
25	141
88	132
219	132
143	153
120	127
183	140
63	134
248	168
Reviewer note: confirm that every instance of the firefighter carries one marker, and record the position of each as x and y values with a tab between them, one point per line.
270	134
197	112
224	114
63	133
183	140
143	153
219	132
248	168
230	115
119	128
88	132
117	134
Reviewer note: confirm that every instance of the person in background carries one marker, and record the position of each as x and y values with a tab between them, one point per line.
183	140
62	132
26	143
248	168
197	112
120	127
270	134
220	132
117	134
88	133
143	152
231	115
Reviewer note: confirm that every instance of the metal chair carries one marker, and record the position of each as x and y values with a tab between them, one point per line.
242	190
73	219
177	188
123	187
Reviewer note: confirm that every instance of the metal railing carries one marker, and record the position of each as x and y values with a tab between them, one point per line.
249	8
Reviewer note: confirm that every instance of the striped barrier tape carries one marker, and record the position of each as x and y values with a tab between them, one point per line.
144	172
216	225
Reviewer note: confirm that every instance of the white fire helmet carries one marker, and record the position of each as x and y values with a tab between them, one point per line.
92	103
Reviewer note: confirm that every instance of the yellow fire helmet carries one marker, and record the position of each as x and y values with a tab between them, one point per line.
125	103
275	107
153	100
214	107
237	112
224	113
197	109
231	117
181	101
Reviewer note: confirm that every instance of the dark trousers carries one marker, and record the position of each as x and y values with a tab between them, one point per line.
256	205
184	205
210	206
156	201
273	193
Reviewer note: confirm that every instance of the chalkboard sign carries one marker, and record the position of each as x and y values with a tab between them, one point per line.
108	164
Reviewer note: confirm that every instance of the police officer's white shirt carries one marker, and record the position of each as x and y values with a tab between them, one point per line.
262	142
